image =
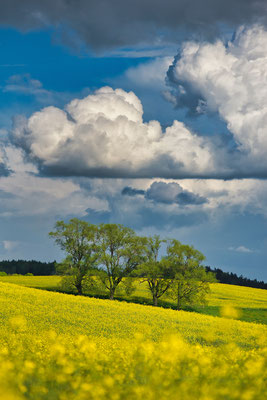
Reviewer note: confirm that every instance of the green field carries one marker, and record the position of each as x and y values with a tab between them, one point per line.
251	303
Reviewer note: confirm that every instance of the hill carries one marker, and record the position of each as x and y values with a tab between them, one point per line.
251	303
58	346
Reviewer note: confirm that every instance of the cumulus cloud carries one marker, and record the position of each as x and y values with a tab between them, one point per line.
162	192
124	22
231	80
166	193
104	135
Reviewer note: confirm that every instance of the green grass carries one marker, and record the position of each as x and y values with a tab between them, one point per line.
251	303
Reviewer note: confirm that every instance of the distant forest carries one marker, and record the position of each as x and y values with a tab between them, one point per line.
24	267
233	279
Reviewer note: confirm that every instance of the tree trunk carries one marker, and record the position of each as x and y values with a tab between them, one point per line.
155	300
111	294
179	297
79	288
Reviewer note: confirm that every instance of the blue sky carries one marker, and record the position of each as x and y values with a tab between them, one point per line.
151	121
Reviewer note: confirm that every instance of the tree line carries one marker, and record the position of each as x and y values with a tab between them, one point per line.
114	255
233	279
39	268
23	267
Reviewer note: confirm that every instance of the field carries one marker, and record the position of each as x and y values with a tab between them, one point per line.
63	347
251	303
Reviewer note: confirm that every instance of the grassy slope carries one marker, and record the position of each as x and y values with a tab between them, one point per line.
251	302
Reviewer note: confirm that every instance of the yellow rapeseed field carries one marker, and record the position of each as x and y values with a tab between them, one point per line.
62	347
250	303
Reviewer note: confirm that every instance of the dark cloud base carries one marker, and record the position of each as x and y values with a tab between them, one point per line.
108	24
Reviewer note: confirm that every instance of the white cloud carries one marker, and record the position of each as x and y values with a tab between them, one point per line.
237	195
241	249
104	135
26	85
22	193
150	74
231	80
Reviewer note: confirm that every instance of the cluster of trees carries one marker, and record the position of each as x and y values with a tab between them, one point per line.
23	267
113	254
233	279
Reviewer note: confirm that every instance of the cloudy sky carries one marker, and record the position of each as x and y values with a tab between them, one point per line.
147	113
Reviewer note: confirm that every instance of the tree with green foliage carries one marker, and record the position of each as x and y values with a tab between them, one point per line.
120	252
78	240
156	272
191	281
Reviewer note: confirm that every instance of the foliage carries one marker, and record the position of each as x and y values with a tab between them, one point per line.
156	272
24	266
120	252
191	281
128	286
114	252
89	284
60	347
78	239
190	287
2	273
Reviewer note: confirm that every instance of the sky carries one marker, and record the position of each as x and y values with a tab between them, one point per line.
150	114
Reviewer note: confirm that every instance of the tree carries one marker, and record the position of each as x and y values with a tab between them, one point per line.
156	272
120	252
78	240
191	281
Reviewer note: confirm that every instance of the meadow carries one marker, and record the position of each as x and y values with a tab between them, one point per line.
250	303
60	347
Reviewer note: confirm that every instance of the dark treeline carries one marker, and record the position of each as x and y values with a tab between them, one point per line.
23	267
233	279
